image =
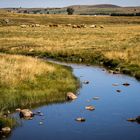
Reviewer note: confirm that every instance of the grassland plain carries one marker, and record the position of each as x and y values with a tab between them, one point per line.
102	9
26	81
116	46
18	19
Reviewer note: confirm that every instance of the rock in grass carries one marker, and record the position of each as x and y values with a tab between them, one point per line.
8	112
126	84
71	96
118	69
110	71
116	72
80	59
6	130
80	119
91	108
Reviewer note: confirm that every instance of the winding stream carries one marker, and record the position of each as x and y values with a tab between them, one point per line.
106	122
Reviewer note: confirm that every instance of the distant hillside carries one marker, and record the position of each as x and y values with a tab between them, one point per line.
102	9
105	6
95	6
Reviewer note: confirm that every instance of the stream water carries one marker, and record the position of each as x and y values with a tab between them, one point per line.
106	122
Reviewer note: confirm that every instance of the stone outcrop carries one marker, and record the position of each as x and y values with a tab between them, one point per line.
25	113
6	130
71	96
91	108
80	119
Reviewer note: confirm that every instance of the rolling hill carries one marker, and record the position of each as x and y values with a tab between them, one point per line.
101	9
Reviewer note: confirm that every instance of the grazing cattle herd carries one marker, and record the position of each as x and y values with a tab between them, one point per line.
64	25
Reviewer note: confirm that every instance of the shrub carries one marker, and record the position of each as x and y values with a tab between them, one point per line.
70	11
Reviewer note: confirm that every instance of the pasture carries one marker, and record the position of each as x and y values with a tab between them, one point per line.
113	42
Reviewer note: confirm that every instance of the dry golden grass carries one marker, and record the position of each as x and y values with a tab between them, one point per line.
119	40
127	56
114	41
14	70
27	81
30	81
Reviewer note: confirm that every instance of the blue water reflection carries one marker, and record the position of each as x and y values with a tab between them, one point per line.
107	122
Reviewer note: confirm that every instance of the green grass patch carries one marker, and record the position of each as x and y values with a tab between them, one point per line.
43	87
27	82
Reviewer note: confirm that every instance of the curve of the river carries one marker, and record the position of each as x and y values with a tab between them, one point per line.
106	122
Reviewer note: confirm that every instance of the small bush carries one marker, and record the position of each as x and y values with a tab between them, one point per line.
70	11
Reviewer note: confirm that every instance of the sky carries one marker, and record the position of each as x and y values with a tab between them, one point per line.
63	3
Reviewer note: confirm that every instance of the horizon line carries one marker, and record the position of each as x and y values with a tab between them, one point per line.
74	5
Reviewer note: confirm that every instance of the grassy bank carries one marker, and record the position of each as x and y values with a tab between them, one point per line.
26	81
